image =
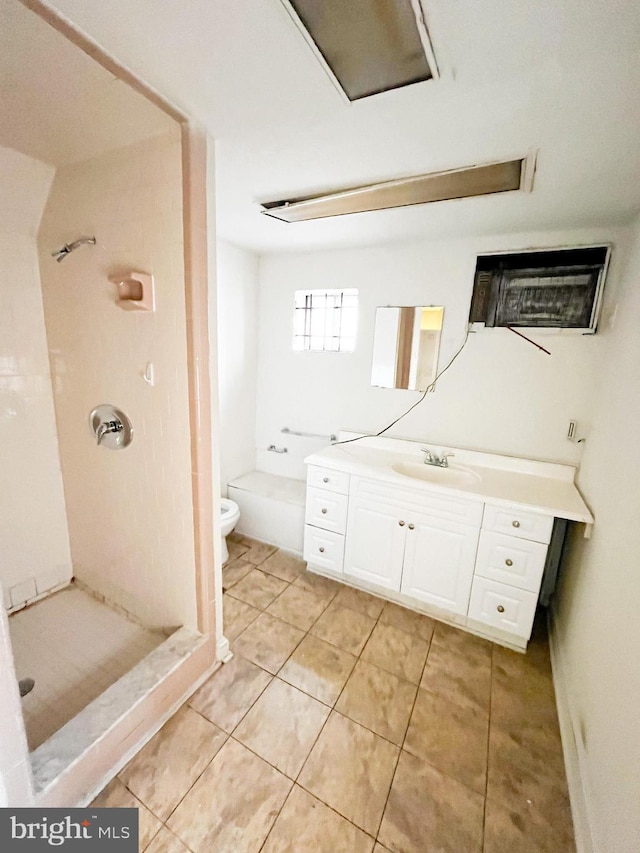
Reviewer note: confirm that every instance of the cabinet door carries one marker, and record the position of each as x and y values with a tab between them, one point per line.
375	543
438	562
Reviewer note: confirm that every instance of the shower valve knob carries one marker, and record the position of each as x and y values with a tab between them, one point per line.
111	427
107	428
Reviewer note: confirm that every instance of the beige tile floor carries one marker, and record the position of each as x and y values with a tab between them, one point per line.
345	724
75	647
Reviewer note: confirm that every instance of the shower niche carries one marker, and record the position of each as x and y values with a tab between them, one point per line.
135	291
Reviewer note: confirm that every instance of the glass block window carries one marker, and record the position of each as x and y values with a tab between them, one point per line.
325	320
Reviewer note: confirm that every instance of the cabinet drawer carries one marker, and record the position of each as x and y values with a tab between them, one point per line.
327	510
504	607
324	549
517	522
509	560
325	478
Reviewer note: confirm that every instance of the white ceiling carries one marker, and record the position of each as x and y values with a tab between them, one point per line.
560	76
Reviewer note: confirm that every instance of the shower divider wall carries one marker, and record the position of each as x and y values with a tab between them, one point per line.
73	765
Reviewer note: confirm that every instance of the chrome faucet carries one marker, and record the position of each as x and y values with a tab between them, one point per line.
108	427
431	458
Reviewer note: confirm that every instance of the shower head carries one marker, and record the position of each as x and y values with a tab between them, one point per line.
61	254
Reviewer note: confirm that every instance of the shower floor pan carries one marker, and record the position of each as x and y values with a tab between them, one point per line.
110	686
74	647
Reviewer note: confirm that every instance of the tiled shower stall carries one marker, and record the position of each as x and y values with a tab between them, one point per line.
98	553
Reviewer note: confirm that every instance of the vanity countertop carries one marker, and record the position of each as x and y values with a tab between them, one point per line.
545	487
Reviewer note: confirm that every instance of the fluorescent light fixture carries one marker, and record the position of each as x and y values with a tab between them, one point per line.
421	189
367	46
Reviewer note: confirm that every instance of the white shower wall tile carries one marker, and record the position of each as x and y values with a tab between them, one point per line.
22	592
33	527
46	581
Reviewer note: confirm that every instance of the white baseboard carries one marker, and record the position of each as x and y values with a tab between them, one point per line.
576	775
223	650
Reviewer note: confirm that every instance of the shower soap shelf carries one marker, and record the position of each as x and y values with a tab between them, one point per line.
136	291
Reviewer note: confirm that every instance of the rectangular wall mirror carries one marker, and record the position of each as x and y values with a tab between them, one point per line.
406	344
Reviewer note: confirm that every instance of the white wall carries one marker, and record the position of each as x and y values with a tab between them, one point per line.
16	787
33	528
130	512
502	394
597	610
237	359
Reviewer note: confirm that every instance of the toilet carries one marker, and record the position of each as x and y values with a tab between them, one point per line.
229	517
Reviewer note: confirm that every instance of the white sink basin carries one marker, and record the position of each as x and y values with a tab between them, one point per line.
454	475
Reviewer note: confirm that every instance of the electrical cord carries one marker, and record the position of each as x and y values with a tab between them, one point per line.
430	387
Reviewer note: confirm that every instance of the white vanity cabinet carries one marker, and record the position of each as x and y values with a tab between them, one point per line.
477	553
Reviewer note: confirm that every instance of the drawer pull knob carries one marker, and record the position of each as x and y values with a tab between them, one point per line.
509	562
411	526
321	549
325	479
401	523
500	608
515	523
324	510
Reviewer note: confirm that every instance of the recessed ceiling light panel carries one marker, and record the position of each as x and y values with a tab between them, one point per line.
368	46
419	189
